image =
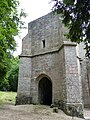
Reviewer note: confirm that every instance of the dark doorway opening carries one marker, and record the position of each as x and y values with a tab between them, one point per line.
45	91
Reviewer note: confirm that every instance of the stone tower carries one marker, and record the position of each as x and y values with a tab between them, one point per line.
48	72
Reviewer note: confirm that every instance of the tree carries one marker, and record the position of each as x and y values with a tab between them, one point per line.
12	75
10	23
76	17
4	85
11	81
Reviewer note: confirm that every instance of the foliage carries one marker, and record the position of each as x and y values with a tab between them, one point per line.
10	23
4	85
76	16
7	97
11	81
13	75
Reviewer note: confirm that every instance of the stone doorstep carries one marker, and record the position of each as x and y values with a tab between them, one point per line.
87	118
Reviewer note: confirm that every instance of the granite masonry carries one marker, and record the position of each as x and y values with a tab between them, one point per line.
52	69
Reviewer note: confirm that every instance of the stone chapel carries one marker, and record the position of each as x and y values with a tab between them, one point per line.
53	70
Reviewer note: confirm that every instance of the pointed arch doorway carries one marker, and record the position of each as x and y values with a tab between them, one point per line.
45	91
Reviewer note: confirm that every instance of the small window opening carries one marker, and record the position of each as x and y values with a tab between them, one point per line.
43	41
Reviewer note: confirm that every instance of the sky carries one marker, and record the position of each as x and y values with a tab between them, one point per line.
34	10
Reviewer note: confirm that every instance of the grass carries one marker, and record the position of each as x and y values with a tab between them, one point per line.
7	97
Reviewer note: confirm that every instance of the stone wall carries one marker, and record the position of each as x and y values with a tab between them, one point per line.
24	81
48	28
47	53
85	75
47	64
72	78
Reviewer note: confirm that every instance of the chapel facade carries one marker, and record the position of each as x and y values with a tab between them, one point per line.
52	69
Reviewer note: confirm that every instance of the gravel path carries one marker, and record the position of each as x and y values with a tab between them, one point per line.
34	112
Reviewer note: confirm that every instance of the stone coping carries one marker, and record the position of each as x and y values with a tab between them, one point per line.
65	43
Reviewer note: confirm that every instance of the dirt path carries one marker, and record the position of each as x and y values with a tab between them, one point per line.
34	112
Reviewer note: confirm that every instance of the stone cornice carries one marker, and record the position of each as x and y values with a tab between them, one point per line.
65	43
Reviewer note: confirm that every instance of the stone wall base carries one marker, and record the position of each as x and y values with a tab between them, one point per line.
23	100
72	109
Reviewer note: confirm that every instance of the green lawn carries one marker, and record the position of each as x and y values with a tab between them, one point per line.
7	97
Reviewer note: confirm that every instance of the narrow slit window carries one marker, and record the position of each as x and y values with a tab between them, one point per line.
43	42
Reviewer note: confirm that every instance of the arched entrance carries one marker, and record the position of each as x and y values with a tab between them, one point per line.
45	91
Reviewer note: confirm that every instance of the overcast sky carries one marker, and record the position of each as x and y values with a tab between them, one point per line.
34	9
